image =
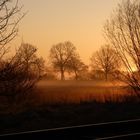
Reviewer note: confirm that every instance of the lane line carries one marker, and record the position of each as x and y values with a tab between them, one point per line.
118	136
79	126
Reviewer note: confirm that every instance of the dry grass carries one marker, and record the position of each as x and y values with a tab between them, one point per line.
67	103
65	92
50	93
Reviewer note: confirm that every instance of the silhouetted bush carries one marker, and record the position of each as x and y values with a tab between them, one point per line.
19	75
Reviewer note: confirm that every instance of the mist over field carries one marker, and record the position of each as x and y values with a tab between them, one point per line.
56	91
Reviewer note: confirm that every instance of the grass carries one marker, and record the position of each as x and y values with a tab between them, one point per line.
54	104
76	92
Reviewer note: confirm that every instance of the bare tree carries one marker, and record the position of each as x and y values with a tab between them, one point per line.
95	74
19	75
76	65
60	54
123	32
10	16
40	66
27	58
106	59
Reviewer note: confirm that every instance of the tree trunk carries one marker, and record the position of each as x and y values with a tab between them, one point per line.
62	74
76	75
106	76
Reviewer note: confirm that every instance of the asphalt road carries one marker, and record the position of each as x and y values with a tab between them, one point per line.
128	129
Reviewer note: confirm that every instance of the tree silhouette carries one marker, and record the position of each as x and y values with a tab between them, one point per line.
19	74
76	65
106	59
10	17
60	54
123	32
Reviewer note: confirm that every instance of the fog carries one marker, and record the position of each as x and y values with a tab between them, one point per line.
74	83
79	91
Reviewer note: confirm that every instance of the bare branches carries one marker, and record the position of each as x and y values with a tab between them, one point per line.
76	66
123	32
60	55
10	16
106	60
19	75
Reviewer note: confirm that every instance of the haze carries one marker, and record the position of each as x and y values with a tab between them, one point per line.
49	22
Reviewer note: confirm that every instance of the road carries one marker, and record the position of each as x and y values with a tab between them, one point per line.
111	130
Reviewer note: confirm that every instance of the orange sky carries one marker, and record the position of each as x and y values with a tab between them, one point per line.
49	22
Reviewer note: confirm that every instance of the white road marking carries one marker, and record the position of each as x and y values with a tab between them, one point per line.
62	128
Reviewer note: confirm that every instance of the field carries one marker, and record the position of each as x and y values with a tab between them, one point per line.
68	103
54	92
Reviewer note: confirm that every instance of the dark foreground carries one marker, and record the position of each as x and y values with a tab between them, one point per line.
67	104
56	116
113	130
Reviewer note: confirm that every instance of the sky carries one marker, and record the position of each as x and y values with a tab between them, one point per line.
49	22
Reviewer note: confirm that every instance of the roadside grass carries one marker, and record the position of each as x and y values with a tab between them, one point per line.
60	106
